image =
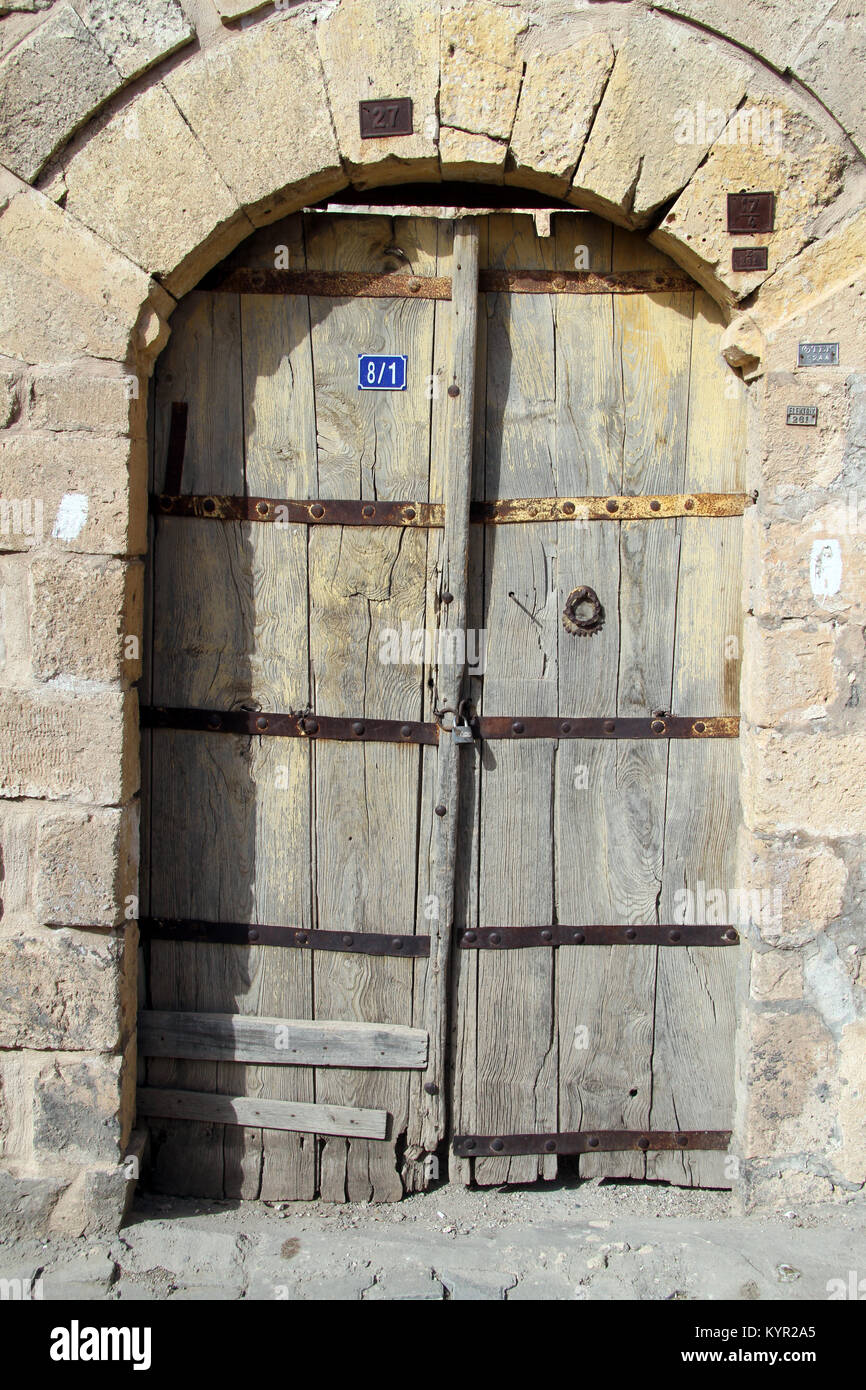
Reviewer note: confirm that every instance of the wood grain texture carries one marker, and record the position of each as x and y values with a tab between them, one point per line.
279	447
280	1041
202	614
693	1059
515	1041
652	340
244	1112
449	676
369	444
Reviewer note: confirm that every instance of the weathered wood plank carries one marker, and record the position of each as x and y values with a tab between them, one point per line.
607	1029
369	444
597	1032
463	1069
279	445
280	1041
202	613
516	1049
693	1061
263	1114
456	482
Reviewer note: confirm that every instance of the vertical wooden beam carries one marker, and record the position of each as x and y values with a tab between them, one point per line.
457	481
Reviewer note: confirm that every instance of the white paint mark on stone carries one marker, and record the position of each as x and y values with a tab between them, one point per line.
71	516
825	568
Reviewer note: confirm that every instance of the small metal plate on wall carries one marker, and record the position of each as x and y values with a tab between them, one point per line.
382	118
817	354
801	415
751	212
749	258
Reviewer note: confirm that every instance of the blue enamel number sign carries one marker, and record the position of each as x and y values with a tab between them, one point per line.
381	371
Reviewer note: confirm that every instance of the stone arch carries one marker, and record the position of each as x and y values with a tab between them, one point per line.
154	192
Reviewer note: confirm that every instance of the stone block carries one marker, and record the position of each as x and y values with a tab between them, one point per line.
82	493
781	1187
558	100
94	1203
466	156
146	185
82	400
380	49
55	744
136	35
17	861
63	292
832	59
67	990
28	1200
478	96
814	569
86	866
774	29
790	1106
49	84
803	885
86	618
281	139
10	398
483	30
789	673
820	272
86	1276
80	1108
776	976
235	9
838	317
768	147
642	149
15	665
803	782
795	459
851	1160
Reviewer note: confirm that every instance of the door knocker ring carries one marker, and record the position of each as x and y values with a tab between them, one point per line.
583	614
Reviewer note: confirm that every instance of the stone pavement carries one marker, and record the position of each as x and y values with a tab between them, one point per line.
561	1242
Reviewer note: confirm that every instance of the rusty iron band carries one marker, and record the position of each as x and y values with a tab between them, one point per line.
260	934
352	512
315	726
583	1142
284	511
353	284
329	284
584	282
277	725
670	726
515	938
644	508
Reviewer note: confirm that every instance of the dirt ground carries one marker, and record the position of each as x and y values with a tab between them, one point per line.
564	1241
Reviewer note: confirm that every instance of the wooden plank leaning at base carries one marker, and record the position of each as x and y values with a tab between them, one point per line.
263	1114
278	1041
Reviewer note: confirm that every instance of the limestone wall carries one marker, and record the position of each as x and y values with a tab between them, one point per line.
142	140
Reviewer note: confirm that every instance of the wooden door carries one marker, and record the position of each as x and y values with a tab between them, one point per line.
600	395
313	829
258	393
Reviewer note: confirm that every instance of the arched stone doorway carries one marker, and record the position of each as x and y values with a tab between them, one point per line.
143	202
